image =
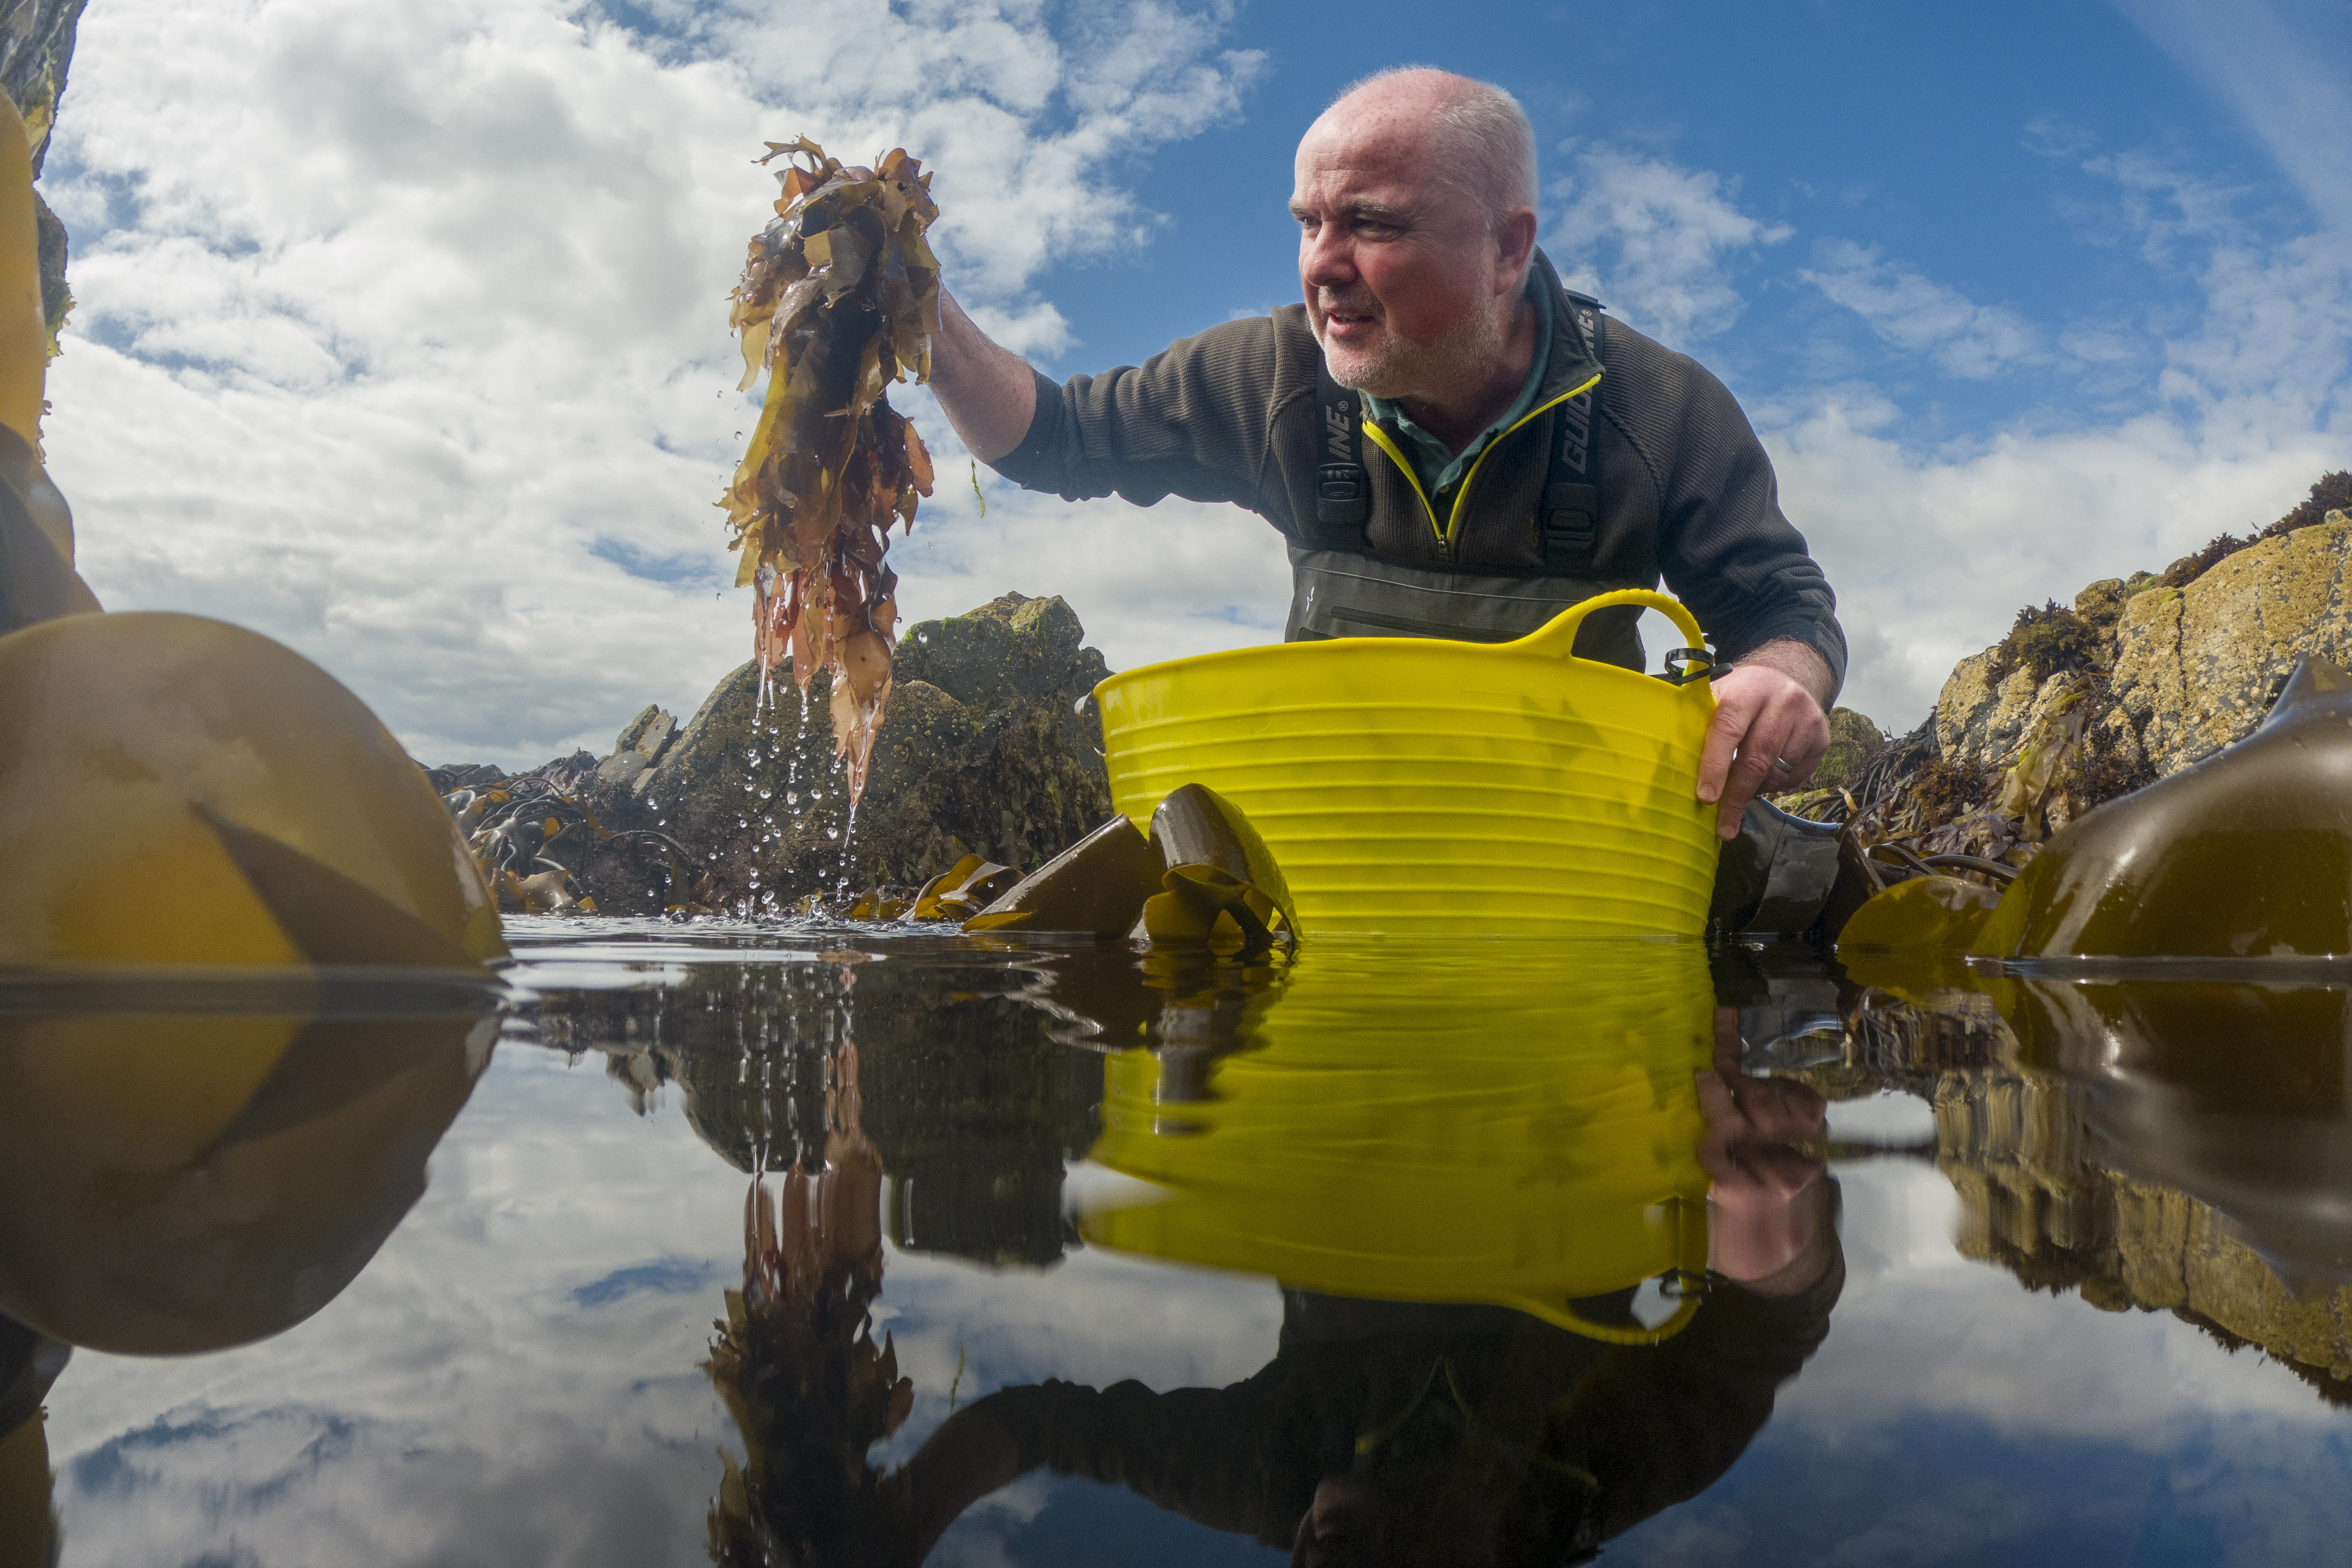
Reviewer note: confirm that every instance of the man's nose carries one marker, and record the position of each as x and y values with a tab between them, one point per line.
1326	258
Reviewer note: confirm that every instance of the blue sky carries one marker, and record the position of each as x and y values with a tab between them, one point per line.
401	337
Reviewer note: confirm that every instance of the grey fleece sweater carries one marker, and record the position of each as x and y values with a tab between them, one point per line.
1686	492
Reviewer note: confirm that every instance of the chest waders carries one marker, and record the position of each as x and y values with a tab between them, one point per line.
1348	594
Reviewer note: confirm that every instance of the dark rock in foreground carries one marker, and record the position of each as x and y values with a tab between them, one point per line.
980	751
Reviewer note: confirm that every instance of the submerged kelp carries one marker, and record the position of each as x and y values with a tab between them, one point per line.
838	298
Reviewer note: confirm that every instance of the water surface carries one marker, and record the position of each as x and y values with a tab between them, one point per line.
1082	1256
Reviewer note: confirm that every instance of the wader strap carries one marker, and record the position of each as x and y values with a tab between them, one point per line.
1569	526
1340	593
1343	490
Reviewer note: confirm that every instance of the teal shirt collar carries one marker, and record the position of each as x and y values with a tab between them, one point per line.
1433	462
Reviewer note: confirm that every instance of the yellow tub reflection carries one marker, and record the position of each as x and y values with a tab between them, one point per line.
1517	1127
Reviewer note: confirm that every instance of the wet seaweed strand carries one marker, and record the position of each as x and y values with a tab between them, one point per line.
839	298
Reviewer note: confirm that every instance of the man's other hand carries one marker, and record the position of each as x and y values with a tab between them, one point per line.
1769	729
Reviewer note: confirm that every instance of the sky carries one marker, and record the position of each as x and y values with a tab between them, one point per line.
401	330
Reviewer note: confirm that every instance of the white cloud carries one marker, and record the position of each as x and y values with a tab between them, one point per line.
1655	239
2240	406
1919	314
401	334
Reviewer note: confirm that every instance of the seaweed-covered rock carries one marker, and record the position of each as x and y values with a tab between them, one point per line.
980	751
1854	740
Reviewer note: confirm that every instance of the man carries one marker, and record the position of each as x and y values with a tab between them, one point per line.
1452	442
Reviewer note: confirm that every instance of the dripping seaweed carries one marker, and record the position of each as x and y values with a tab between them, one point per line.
838	299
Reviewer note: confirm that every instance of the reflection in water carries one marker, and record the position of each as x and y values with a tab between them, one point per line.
797	1362
2181	1146
175	1181
1463	1209
172	1184
1548	1238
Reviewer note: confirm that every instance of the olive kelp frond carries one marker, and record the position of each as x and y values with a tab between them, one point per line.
839	298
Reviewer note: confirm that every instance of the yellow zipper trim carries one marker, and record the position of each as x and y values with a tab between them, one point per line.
1454	517
1380	439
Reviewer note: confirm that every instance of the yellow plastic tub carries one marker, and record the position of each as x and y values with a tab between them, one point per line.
1409	786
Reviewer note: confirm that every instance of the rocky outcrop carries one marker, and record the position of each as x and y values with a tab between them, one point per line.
2174	673
2196	668
2139	678
37	45
973	1110
641	744
980	751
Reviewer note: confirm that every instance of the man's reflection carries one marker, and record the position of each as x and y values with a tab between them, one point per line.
1386	1432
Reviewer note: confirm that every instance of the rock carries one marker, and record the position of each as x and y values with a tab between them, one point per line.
2197	667
981	751
1978	719
463	775
35	48
648	735
1854	740
2102	604
622	766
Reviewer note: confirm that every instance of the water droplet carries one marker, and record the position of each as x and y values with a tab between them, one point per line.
833	832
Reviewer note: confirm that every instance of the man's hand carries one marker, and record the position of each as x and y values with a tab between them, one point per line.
1768	1207
1769	729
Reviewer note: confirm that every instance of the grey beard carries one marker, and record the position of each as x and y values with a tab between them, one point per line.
1456	362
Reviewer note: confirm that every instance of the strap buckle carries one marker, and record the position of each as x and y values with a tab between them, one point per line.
1340	482
1684	665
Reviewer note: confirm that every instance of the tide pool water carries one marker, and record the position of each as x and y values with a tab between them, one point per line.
708	1241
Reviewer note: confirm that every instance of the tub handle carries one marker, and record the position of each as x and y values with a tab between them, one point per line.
1558	635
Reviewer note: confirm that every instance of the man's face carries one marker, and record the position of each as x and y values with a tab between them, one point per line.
1398	264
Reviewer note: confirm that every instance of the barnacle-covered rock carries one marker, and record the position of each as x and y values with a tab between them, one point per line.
2196	668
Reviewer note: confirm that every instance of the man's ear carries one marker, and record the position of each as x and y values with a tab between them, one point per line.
1514	248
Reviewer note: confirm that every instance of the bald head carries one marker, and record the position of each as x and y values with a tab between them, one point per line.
1472	132
1415	202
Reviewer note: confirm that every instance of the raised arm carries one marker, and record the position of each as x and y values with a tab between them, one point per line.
990	393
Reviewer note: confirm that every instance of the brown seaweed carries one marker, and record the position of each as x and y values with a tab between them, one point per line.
1930	911
1195	826
2246	855
1098	885
796	1362
962	891
838	299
